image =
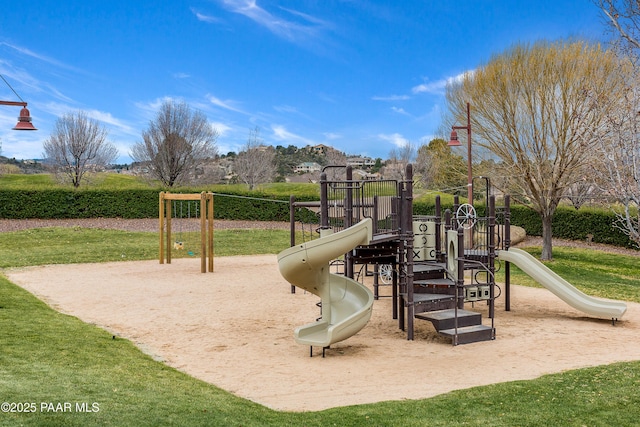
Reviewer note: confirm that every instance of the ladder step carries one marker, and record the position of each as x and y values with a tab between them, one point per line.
470	334
435	282
431	302
429	266
429	270
431	297
445	319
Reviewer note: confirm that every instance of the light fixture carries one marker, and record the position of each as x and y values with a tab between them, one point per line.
454	141
24	119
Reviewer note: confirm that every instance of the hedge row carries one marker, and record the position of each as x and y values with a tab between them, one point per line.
596	225
64	204
593	224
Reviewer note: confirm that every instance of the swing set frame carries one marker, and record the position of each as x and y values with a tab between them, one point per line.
206	226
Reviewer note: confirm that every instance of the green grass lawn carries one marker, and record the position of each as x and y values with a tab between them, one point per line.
117	181
50	359
80	245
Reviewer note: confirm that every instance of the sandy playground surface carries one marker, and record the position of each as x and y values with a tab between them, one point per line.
234	328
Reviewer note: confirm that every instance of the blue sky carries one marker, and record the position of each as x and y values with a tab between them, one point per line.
362	76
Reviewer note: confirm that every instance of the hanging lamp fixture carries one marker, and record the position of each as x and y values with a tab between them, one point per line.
24	119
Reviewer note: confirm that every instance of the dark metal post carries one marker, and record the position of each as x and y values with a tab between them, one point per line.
459	289
438	227
292	220
292	227
492	254
374	219
456	204
460	255
348	204
447	221
507	243
374	214
324	202
348	219
407	235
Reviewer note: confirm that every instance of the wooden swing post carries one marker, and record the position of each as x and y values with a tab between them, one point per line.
206	226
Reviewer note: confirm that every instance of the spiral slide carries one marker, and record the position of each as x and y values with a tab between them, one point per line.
346	304
561	288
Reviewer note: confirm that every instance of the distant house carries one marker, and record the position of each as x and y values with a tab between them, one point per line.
307	167
366	175
320	149
360	162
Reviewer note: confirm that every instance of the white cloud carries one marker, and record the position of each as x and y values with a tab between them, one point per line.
394	138
110	120
38	56
27	80
150	109
221	128
437	87
56	109
327	98
332	136
226	104
282	134
205	18
400	111
391	98
306	17
285	109
305	26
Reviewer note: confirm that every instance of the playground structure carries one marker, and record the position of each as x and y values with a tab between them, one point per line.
346	303
440	266
202	213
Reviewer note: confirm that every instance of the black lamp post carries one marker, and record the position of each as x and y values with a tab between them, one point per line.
454	142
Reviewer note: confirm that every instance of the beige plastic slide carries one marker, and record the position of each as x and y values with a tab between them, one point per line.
346	304
561	288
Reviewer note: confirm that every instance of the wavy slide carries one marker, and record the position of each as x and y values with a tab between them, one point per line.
346	304
561	288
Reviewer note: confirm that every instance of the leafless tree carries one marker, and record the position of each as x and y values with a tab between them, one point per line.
623	19
256	162
581	192
619	166
176	143
532	107
399	157
619	140
335	158
213	172
78	145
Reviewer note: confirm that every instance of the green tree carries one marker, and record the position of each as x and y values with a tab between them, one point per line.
439	167
379	164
